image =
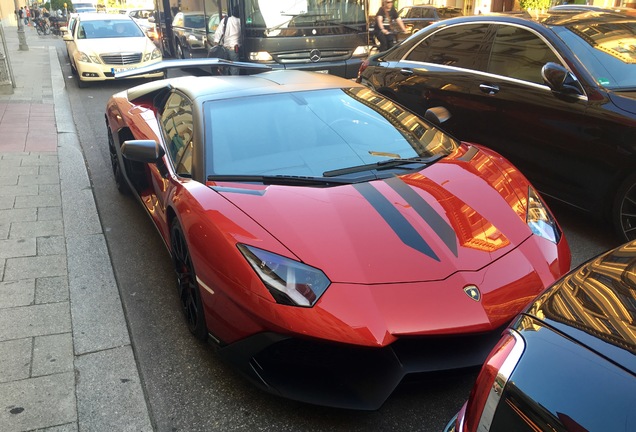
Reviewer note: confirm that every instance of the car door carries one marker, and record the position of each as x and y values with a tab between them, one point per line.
526	122
177	127
439	70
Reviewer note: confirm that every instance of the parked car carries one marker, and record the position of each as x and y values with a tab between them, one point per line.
188	29
556	96
327	240
100	44
568	362
419	16
573	7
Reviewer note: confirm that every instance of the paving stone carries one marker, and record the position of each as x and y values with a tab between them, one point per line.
35	266
69	427
52	354
49	213
17	247
17	293
36	229
7	202
51	245
4	231
35	320
37	201
18	190
38	402
15	359
25	180
109	394
51	290
18	215
36	159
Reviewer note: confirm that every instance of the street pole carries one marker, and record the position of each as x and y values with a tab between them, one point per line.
21	35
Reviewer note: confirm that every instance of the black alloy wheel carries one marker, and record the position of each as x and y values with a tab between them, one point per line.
120	181
625	210
188	289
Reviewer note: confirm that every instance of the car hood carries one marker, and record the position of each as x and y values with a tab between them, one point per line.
417	227
113	45
594	305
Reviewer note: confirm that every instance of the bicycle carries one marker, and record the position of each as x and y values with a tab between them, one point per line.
42	27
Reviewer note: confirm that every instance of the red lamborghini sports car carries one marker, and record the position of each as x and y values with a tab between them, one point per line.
326	239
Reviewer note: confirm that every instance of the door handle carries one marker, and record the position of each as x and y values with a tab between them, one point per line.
491	89
406	72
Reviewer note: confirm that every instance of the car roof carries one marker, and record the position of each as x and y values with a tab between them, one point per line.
98	16
208	88
548	19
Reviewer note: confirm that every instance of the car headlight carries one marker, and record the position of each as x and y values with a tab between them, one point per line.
290	282
260	56
361	51
86	58
539	218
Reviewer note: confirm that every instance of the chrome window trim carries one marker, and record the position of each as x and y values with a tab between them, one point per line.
539	35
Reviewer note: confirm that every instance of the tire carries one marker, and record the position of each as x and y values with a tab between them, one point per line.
187	287
624	210
118	173
47	29
80	83
39	29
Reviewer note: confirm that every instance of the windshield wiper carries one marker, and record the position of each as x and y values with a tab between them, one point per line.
385	164
282	180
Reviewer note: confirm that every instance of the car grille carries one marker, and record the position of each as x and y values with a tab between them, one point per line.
311	56
121	58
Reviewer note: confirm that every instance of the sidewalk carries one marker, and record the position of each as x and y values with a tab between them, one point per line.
66	360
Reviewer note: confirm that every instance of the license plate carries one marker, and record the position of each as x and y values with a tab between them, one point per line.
322	71
121	69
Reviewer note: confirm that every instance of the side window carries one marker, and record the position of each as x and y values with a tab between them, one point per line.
518	53
177	124
454	46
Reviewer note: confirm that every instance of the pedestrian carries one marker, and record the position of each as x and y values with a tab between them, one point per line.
230	37
27	15
21	14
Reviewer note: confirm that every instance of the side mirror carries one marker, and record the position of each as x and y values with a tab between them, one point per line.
67	37
437	115
63	29
145	151
561	80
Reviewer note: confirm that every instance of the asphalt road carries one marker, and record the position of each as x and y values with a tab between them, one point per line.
187	386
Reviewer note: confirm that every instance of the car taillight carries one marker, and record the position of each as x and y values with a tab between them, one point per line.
486	393
363	66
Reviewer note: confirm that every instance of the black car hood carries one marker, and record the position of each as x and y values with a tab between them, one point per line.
625	100
596	305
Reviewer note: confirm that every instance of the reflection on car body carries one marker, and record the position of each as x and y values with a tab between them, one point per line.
554	95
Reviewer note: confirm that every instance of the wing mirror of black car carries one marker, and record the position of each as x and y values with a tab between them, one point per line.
560	80
437	115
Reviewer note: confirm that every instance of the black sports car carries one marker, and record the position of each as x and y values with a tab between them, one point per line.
556	96
568	363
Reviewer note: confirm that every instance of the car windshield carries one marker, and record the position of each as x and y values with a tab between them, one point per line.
313	132
108	29
607	49
287	18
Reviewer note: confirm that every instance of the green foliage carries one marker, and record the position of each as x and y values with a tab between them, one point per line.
535	5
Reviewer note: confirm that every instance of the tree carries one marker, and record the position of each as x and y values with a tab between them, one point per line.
535	5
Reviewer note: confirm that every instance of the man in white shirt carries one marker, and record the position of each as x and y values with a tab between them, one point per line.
229	31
